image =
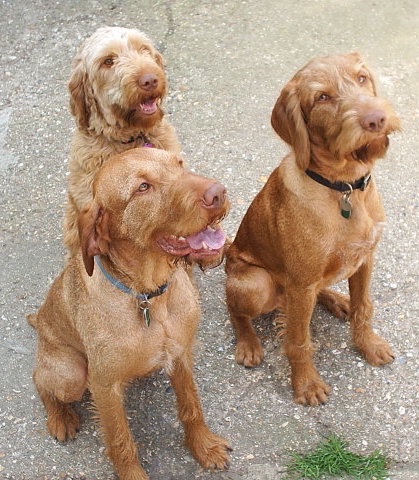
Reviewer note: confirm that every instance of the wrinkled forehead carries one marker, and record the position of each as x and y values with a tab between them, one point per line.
114	40
333	72
123	174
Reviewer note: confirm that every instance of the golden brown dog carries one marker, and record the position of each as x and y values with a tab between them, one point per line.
116	88
124	305
317	220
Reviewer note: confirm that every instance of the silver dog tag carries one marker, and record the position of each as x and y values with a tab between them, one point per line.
147	317
346	205
145	308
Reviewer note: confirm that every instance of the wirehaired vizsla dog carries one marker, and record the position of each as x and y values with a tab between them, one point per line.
316	221
124	306
117	86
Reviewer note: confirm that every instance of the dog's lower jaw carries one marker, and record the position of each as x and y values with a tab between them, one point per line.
209	262
373	150
137	118
132	120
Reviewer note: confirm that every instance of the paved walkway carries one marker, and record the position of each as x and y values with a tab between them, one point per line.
227	62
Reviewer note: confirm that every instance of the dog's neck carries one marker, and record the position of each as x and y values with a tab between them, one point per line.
141	272
348	168
128	136
139	140
361	184
143	298
124	288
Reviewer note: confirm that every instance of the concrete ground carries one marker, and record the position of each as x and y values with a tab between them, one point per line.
227	61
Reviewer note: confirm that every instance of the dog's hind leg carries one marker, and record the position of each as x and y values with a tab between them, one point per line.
60	378
209	449
250	293
337	303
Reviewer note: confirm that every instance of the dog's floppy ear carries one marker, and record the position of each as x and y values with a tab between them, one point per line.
288	122
93	233
81	95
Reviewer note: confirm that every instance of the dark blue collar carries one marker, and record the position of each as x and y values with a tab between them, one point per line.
142	297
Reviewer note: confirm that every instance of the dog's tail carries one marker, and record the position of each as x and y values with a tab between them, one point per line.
32	319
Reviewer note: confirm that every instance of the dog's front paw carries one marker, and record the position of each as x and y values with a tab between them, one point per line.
134	472
211	451
376	350
311	391
64	423
250	352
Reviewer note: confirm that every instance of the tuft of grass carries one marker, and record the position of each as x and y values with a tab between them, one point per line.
334	459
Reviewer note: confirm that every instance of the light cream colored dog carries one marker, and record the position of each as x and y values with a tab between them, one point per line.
116	88
124	306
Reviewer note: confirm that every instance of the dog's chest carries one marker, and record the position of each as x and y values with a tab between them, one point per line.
133	349
352	249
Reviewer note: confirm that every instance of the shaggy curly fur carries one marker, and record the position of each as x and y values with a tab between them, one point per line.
116	88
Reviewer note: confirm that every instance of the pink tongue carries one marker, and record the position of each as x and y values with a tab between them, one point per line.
214	239
150	106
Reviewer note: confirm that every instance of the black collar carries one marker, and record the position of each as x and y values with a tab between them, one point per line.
361	183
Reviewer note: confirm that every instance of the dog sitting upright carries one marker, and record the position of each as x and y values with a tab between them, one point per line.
317	220
125	306
117	86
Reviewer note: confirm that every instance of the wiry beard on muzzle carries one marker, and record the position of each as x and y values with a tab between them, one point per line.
130	118
375	149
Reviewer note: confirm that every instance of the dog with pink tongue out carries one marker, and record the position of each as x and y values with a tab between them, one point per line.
125	305
205	248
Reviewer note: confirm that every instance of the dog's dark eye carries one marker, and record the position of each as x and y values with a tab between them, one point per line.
362	79
108	61
144	187
323	97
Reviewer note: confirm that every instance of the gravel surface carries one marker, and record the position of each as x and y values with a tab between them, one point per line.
227	61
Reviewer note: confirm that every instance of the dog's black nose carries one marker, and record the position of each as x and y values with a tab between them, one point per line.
149	81
215	196
374	121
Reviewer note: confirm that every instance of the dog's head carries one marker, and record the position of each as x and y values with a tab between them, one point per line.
331	104
146	203
118	79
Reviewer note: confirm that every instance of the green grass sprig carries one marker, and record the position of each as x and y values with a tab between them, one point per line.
333	458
